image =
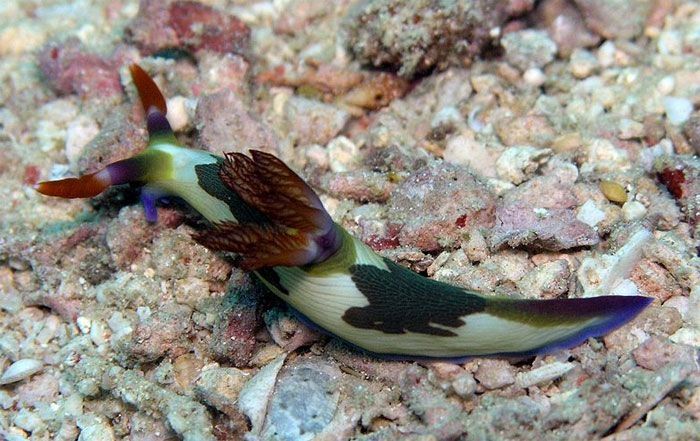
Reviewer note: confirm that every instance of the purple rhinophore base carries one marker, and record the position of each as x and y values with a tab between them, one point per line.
328	244
148	199
157	123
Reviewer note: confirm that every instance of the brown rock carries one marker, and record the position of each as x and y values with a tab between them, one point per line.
494	374
361	186
525	130
604	17
383	33
691	130
165	332
225	124
565	25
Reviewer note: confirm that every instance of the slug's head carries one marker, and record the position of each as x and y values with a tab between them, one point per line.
139	169
298	230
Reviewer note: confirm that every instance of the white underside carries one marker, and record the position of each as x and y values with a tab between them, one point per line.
325	299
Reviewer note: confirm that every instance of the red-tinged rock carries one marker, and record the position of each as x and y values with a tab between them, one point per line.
674	180
660	9
127	235
433	201
386	240
681	175
187	25
202	27
657	352
313	122
70	68
31	175
654	280
551	229
554	190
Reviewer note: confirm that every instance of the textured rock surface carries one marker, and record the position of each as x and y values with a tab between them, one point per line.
187	25
139	333
447	197
407	34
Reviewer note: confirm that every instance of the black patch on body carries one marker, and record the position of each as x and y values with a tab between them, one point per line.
272	278
401	301
208	179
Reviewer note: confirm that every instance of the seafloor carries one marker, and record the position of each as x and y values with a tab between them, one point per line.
543	150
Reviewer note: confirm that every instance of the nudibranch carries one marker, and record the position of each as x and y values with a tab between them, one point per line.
259	208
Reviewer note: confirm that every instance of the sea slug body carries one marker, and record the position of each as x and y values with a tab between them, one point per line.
259	208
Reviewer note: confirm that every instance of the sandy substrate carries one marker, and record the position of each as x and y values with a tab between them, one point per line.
543	152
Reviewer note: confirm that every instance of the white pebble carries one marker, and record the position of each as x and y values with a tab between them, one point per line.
518	163
21	369
670	43
678	109
99	333
534	76
543	374
178	115
84	324
625	288
589	214
6	400
119	325
582	63
666	85
633	210
606	54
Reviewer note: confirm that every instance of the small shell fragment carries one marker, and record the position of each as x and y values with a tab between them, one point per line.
613	191
21	369
543	374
